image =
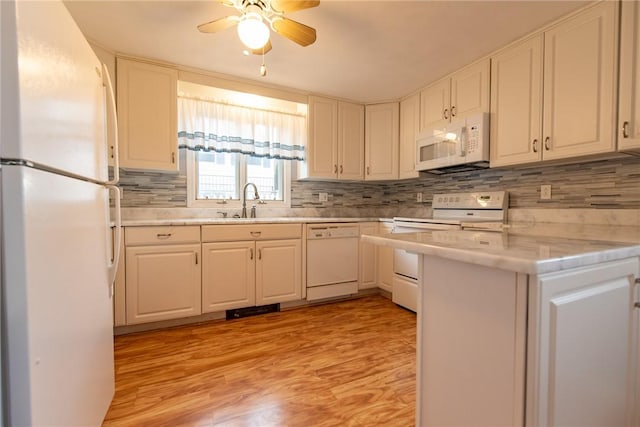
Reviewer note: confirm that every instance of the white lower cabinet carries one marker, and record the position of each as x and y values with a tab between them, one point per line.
228	271
385	260
244	273
163	282
367	275
583	341
278	271
162	273
505	348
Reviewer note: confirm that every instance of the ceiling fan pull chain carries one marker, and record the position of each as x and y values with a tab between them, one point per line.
263	68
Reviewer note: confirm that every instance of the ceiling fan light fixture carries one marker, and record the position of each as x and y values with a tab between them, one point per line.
253	33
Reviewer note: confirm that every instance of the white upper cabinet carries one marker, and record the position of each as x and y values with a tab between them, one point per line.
350	141
409	128
335	141
147	116
629	112
462	93
575	114
516	104
322	142
579	84
382	135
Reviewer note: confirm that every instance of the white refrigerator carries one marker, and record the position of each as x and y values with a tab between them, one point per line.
56	248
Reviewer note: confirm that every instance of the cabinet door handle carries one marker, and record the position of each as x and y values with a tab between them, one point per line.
453	111
446	113
368	171
255	233
113	155
163	236
637	305
196	257
546	143
535	145
173	158
251	253
335	168
259	253
341	169
625	130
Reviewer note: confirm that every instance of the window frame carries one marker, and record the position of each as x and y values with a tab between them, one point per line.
193	202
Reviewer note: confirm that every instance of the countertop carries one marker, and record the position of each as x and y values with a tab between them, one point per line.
210	221
522	248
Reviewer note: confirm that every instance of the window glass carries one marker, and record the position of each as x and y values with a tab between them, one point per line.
266	174
218	175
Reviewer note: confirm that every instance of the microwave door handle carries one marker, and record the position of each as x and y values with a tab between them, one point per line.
463	138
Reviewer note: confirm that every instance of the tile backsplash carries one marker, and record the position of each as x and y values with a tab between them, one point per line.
611	184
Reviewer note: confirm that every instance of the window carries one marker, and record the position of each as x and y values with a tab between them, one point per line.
229	145
221	177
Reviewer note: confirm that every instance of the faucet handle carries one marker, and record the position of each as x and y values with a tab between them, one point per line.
253	211
224	214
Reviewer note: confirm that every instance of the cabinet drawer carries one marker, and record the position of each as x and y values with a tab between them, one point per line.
221	233
162	235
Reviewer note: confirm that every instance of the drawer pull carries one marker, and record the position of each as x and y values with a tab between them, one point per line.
625	130
163	236
255	233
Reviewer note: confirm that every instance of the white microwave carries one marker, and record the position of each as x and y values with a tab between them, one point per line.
461	145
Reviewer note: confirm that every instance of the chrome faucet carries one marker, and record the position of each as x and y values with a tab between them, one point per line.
256	196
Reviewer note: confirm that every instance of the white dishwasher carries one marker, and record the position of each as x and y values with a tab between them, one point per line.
332	260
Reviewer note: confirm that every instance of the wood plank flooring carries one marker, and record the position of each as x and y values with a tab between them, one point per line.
349	363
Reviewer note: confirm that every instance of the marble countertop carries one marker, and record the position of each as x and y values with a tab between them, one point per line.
210	221
520	248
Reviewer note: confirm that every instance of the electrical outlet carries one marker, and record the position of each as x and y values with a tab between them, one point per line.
419	198
545	192
323	197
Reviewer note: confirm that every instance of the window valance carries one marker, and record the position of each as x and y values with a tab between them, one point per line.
211	126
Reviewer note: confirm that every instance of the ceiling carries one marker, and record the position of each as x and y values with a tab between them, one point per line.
366	51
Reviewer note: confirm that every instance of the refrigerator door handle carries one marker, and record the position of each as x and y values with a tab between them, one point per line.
112	105
113	264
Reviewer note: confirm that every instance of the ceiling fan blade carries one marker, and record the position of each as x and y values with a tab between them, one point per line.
294	31
219	24
292	5
267	48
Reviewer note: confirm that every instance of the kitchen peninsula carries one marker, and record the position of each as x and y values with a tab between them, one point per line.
522	328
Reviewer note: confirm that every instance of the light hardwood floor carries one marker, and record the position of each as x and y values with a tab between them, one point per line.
350	363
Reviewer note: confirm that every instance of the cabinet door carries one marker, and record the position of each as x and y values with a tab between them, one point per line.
368	258
322	149
163	282
629	118
385	261
228	276
434	104
350	141
278	271
583	347
470	90
579	84
147	116
382	141
516	104
409	128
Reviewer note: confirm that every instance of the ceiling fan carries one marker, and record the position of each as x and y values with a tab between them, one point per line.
253	31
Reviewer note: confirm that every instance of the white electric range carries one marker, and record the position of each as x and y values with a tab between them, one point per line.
478	210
